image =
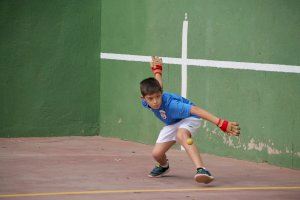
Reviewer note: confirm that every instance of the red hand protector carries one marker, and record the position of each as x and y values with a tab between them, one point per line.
224	126
156	69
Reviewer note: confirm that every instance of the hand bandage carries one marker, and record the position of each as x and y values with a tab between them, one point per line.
156	65
157	69
224	125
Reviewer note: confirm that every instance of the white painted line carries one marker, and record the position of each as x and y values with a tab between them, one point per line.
138	58
245	65
207	63
125	57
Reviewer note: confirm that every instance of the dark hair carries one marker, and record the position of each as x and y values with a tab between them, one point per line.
150	86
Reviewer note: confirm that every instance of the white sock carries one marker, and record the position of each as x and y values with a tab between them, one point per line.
165	165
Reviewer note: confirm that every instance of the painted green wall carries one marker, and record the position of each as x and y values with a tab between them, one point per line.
51	80
265	103
50	68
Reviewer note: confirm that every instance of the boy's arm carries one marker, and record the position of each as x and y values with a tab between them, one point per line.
156	67
159	78
231	128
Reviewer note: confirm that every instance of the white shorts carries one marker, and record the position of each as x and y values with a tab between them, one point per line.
168	133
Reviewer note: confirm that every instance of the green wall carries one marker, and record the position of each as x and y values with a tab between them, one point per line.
51	79
50	68
265	103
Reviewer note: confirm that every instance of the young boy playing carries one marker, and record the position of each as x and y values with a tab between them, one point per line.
182	118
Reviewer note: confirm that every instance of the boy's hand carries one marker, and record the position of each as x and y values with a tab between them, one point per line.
231	128
156	65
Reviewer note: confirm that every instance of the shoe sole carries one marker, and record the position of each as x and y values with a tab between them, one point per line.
158	176
202	178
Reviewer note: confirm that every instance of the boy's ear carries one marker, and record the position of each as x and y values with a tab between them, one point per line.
142	97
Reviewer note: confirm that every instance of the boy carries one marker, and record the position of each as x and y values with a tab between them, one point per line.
182	119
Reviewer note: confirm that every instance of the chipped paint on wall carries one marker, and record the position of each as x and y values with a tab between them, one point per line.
237	143
259	146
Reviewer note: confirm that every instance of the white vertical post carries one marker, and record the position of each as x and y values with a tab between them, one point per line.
184	59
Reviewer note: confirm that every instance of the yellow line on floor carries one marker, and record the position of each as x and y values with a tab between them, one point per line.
154	190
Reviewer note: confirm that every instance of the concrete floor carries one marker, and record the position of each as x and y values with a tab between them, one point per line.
106	168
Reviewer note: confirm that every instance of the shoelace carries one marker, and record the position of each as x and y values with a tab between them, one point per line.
203	171
159	166
157	169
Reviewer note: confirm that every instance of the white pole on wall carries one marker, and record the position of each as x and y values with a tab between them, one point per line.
185	26
184	57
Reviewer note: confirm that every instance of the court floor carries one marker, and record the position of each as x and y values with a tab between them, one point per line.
109	168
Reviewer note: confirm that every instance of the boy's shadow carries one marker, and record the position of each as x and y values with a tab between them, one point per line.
188	178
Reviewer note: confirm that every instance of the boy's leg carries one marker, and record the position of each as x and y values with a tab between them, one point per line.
192	150
202	175
159	152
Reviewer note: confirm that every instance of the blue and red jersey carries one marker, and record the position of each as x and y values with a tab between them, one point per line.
172	109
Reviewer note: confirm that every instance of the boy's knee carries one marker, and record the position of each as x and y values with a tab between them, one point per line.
179	137
182	136
157	154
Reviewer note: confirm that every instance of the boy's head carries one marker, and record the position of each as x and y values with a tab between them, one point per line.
151	91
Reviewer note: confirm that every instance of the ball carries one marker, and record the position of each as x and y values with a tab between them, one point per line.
189	141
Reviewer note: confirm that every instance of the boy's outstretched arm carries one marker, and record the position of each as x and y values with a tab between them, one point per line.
231	128
156	67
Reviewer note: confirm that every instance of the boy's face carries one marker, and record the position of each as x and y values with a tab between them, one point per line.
154	100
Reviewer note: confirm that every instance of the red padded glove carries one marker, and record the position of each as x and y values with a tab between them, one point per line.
224	125
156	69
156	65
